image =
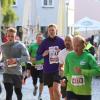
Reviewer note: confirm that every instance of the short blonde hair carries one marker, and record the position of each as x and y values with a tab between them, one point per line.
12	29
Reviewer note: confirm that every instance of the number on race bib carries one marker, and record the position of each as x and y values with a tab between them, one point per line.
77	80
11	65
53	54
39	67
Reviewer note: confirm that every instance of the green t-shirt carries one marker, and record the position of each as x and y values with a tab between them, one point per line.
80	84
33	51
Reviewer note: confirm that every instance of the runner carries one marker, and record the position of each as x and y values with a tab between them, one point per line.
62	55
13	52
80	66
37	67
49	51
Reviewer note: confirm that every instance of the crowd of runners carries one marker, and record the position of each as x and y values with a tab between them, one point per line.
66	66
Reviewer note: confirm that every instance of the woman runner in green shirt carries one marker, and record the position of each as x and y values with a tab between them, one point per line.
79	68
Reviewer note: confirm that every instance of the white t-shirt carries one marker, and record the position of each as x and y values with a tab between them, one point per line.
62	56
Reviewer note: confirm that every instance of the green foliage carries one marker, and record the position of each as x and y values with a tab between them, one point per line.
9	15
5	4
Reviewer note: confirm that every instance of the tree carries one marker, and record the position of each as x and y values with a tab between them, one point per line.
8	14
5	4
10	17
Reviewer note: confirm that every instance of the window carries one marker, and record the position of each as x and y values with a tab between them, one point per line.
44	31
15	3
47	3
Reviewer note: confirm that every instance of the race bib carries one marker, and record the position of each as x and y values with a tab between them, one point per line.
11	65
77	80
39	67
53	54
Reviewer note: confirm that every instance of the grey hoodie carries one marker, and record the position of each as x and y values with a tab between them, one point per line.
14	50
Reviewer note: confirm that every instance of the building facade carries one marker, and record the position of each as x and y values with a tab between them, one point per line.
36	15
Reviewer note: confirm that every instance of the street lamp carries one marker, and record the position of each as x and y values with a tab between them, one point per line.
67	6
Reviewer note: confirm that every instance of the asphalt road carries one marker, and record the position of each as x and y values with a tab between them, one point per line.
27	91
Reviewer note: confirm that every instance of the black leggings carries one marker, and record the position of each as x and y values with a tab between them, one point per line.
73	96
36	74
9	91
